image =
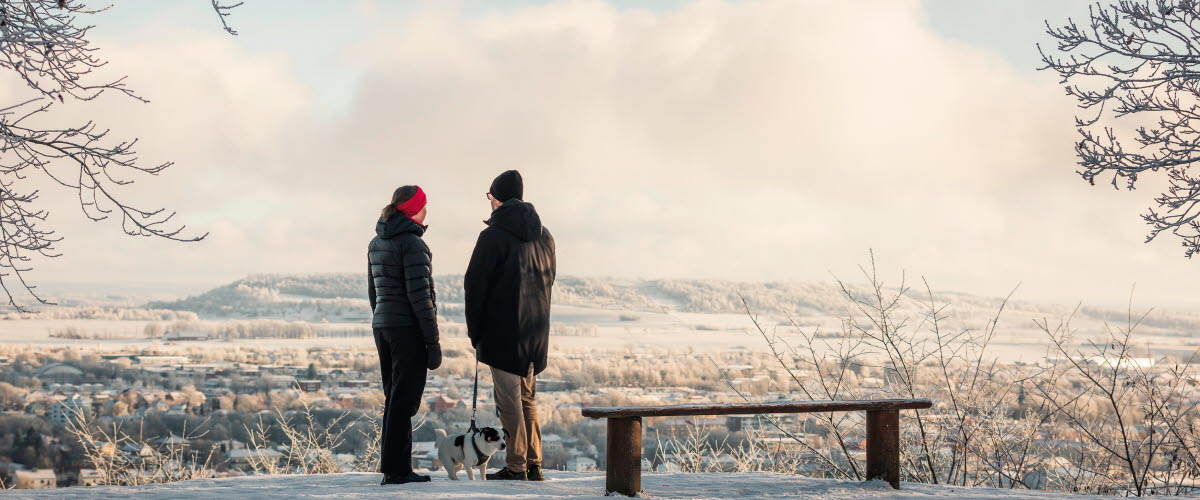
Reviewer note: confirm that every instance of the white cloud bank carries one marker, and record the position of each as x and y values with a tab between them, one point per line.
741	140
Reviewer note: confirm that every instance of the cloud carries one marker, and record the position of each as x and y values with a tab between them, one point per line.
741	140
225	118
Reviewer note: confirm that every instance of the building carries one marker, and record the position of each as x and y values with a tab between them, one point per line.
425	456
58	372
309	385
185	336
148	361
737	423
174	440
36	479
702	422
553	385
581	464
90	477
245	458
337	375
552	443
228	445
73	407
443	403
138	453
738	370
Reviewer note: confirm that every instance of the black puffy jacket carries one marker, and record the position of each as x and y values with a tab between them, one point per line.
400	278
508	285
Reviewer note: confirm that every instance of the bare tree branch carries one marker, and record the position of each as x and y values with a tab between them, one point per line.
46	44
1133	66
223	12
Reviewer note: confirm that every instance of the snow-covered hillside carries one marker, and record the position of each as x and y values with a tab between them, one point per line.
338	297
558	485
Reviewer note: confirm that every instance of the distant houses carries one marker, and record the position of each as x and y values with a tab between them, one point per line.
173	440
165	382
581	464
425	456
185	336
443	403
35	479
59	372
242	458
149	361
310	385
90	477
75	406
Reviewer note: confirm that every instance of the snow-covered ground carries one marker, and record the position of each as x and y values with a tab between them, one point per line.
558	485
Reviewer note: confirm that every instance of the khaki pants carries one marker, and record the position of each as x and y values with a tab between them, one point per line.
518	415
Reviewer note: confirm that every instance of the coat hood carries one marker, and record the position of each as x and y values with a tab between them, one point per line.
396	225
518	218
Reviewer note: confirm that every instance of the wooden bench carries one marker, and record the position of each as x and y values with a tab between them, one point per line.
624	469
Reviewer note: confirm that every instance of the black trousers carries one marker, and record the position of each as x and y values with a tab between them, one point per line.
402	363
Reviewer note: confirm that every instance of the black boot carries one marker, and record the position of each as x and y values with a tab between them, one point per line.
411	477
506	475
534	473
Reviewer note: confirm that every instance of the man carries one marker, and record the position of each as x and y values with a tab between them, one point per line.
508	286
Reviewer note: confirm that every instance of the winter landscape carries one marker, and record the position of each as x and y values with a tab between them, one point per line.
881	249
230	381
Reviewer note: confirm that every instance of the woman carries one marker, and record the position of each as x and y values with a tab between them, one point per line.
405	324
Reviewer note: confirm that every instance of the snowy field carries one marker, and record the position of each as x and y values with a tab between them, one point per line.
701	316
38	330
1017	338
558	485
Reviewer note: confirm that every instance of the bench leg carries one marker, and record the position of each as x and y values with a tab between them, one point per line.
624	470
883	446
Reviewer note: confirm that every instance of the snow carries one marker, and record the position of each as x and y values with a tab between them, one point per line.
558	485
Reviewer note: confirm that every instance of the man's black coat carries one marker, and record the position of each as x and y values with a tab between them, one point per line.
508	286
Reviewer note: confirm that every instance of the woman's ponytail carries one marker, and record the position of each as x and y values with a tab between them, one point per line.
401	195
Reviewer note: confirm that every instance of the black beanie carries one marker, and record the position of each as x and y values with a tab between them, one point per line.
508	186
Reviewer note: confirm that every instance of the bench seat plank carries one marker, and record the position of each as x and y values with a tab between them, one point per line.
756	408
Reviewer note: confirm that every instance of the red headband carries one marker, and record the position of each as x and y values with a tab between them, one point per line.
414	205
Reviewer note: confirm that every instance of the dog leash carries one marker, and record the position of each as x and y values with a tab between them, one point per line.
479	456
475	397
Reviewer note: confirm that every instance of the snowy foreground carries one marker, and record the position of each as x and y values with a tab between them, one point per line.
558	485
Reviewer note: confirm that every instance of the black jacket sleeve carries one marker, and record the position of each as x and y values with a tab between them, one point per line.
371	287
476	284
418	283
553	257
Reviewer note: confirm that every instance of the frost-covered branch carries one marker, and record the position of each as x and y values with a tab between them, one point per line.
1133	69
46	44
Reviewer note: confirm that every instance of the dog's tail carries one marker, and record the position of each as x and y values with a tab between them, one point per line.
440	437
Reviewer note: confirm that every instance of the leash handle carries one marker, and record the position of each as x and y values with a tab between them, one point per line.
475	394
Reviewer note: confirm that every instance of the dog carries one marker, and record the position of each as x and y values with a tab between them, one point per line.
468	451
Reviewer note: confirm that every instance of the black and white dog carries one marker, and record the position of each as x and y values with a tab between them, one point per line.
468	451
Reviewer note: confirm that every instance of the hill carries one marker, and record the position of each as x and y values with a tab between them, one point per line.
559	485
341	297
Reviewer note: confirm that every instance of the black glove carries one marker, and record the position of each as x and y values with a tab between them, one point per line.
433	356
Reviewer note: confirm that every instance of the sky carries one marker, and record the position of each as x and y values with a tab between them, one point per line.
745	140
